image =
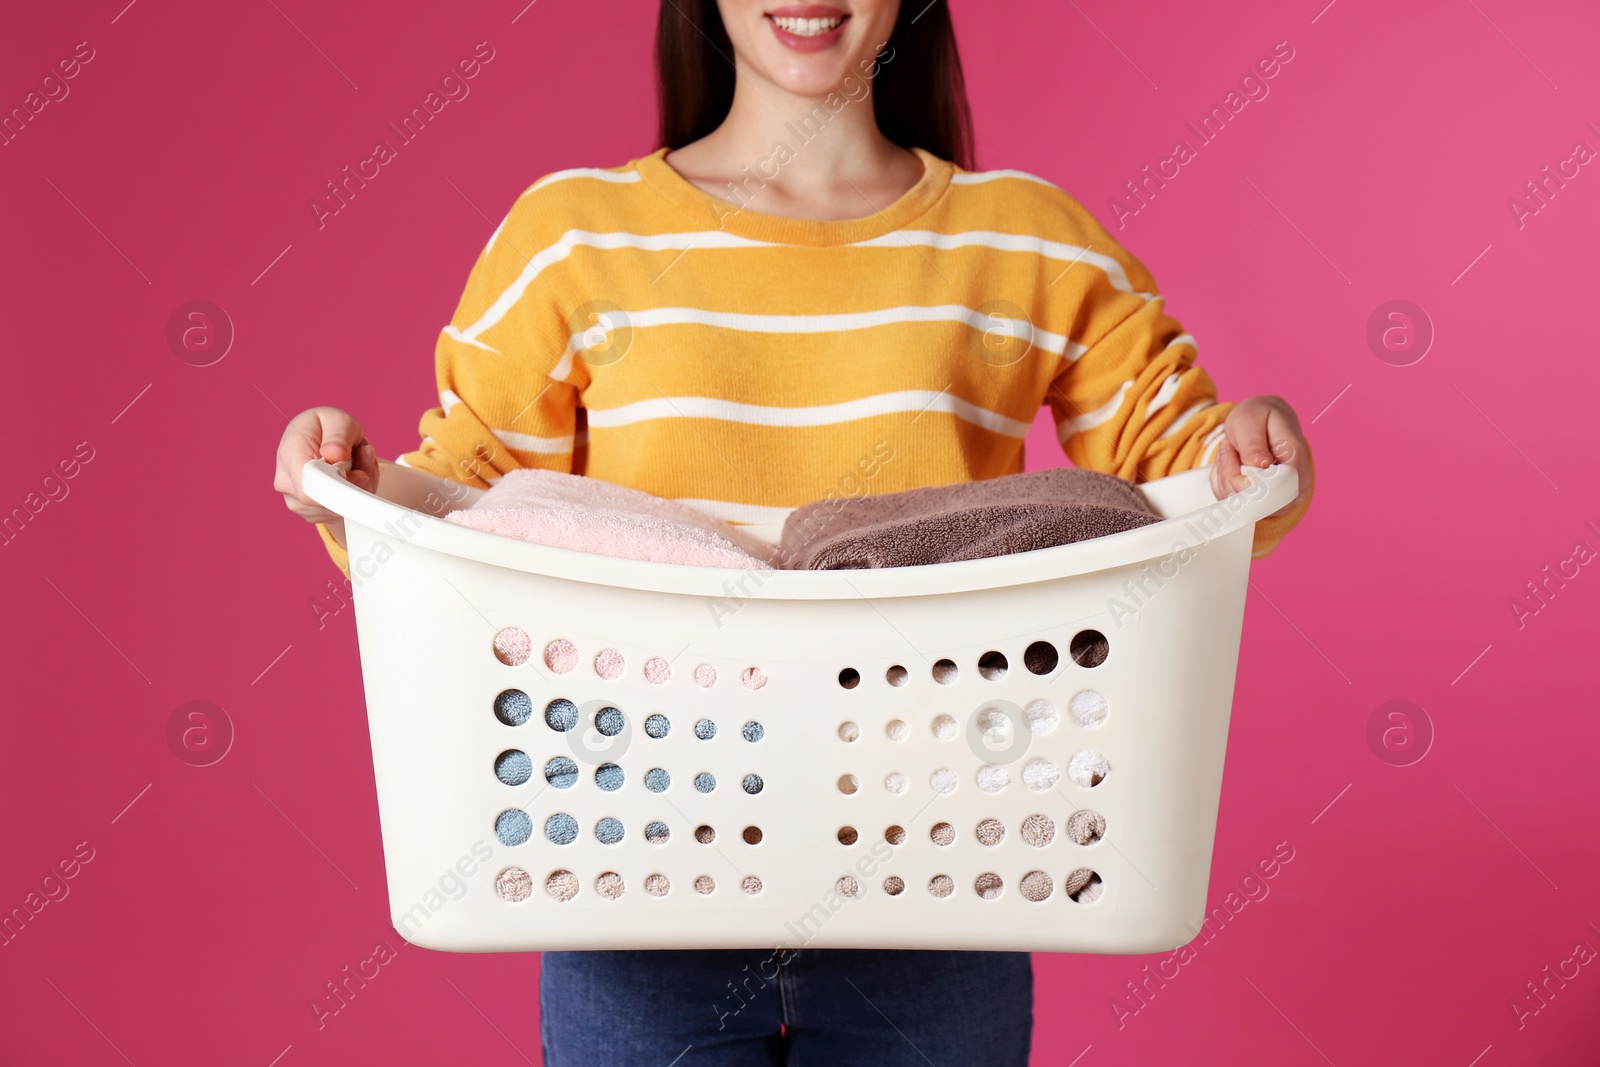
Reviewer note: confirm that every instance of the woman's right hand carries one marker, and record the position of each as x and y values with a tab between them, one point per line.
328	434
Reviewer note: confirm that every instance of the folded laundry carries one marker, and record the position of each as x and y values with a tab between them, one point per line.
590	515
966	520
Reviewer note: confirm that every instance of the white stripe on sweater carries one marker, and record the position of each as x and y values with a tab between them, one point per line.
706	407
1188	413
1168	390
519	442
978	177
1009	242
743	514
1089	420
596	173
717	239
850	320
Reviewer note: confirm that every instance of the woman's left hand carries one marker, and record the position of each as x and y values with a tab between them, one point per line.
1260	432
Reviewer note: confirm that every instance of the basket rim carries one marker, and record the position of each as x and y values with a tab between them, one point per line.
1192	518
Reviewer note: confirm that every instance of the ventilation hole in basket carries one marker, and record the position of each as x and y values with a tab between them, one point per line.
513	826
608	831
943	780
561	829
657	671
561	714
1089	709
848	835
513	767
513	884
945	671
609	664
991	832
657	726
1089	648
563	885
897	675
657	885
848	886
849	678
895	782
995	725
704	885
1041	657
657	833
609	777
1040	774
609	721
897	730
704	834
753	731
941	885
705	782
656	779
752	835
989	885
513	646
849	731
1038	830
513	707
1088	768
750	884
1036	886
1042	716
992	778
945	727
895	835
942	833
561	656
848	784
752	784
609	885
1083	886
705	676
705	729
1085	827
753	678
993	665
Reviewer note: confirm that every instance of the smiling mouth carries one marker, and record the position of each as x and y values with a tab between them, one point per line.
808	27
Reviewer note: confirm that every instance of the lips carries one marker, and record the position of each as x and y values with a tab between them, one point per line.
807	27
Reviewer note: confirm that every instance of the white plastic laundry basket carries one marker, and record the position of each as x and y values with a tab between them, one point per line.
898	758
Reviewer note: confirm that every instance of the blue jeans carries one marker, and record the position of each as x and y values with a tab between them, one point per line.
805	1008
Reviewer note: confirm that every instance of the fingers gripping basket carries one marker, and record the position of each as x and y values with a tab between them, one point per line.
574	751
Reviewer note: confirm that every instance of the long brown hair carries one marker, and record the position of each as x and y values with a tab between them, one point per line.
919	95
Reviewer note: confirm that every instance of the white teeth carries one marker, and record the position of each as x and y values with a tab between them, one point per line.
808	27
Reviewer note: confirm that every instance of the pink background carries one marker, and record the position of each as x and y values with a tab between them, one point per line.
216	906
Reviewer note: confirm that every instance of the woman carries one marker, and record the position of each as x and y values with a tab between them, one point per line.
805	289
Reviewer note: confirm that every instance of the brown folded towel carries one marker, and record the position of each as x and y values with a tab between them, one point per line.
967	520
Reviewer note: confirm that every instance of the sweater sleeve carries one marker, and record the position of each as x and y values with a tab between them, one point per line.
1134	402
505	368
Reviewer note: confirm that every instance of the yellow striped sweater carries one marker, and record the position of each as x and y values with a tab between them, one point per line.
624	324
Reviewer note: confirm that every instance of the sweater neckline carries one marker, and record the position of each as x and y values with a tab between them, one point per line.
760	225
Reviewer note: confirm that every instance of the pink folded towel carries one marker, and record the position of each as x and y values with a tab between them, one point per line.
590	515
967	520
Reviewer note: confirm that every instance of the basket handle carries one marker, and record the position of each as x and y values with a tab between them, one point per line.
1271	489
400	489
